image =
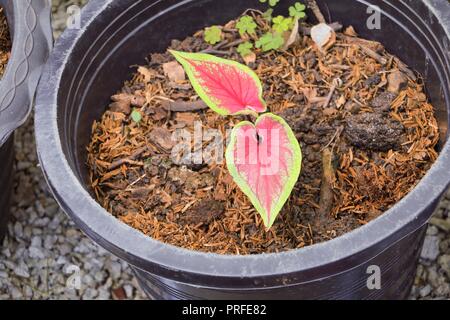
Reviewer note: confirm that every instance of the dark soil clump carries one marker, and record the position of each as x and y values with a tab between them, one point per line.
372	131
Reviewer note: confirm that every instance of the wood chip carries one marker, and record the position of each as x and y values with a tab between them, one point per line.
174	71
162	137
184	106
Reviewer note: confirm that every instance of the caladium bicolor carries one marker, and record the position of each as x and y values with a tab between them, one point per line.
264	160
226	86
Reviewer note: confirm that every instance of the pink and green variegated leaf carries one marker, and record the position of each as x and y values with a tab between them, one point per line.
226	86
265	161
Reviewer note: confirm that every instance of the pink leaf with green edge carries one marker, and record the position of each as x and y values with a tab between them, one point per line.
226	86
265	162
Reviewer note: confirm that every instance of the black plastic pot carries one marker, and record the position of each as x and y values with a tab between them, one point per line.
89	64
31	33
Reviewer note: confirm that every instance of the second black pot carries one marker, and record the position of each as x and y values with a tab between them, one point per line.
90	64
31	34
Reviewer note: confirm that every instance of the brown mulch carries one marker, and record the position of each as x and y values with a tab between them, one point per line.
5	42
367	131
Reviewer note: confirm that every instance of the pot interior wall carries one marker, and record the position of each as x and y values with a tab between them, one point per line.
132	29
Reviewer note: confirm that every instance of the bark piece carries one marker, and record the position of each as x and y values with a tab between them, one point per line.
122	106
383	101
162	137
174	71
397	81
184	106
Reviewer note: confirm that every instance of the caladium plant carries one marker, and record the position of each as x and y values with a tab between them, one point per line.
264	158
225	86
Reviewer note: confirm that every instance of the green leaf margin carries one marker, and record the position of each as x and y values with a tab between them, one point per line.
294	173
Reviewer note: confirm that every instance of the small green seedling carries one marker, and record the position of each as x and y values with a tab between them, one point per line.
246	24
148	162
268	15
213	35
245	49
282	24
270	41
136	116
272	3
297	11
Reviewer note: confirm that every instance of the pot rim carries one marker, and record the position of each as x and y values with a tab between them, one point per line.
32	40
147	254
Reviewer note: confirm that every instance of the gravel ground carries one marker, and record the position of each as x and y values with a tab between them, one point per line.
433	273
45	256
